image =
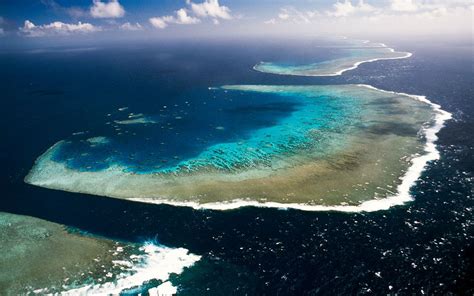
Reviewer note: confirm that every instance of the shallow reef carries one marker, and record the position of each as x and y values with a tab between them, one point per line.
342	145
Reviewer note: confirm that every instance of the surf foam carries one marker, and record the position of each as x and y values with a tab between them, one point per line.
158	262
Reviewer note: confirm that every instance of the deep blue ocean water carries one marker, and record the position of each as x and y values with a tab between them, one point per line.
426	246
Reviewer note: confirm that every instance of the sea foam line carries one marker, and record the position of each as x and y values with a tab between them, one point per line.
338	73
418	165
157	262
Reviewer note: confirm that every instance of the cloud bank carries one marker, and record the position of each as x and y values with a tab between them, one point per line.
56	28
394	16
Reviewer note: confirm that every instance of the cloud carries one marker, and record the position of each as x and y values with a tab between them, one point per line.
271	21
283	15
160	22
56	28
292	15
362	10
111	9
131	27
210	8
407	17
193	14
346	8
404	5
436	6
182	18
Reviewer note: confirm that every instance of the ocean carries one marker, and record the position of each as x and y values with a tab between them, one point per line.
423	247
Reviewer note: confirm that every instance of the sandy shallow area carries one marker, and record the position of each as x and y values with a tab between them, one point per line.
38	254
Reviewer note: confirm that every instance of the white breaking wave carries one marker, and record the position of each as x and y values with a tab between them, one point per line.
157	262
407	55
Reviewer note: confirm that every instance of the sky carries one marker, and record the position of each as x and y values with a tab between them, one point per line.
72	19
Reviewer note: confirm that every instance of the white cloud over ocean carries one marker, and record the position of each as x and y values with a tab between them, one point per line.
394	16
346	8
29	29
404	5
111	9
181	17
193	14
131	27
210	8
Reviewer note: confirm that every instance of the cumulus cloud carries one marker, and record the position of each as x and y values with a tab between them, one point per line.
160	22
181	17
292	15
210	8
111	9
283	15
346	8
56	28
404	5
193	14
131	27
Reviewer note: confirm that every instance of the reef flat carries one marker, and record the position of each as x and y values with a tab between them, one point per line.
41	257
341	146
353	56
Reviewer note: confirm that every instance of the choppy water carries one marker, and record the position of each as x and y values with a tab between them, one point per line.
424	247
